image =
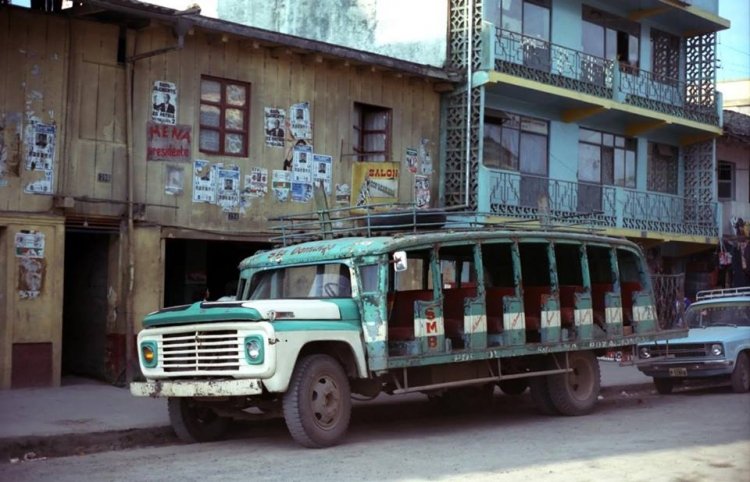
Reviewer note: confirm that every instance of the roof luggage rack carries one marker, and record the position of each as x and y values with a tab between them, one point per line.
722	293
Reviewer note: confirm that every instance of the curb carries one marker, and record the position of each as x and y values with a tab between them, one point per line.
30	448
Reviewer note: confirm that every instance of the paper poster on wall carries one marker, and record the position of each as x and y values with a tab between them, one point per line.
422	191
302	160
343	194
29	244
275	119
375	182
256	183
31	273
424	156
40	157
168	142
175	183
323	171
164	102
41	185
281	184
228	187
302	192
411	159
299	121
204	190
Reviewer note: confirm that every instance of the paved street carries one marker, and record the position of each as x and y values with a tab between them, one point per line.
700	434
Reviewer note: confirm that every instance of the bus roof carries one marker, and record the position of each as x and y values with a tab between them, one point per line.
349	247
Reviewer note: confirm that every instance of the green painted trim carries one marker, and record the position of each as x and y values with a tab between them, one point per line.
261	350
150	344
316	325
195	314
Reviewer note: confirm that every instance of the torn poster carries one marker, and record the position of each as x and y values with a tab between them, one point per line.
228	187
11	128
30	277
411	159
164	97
175	180
29	244
204	190
256	183
300	123
281	184
302	192
343	194
168	143
424	156
422	191
375	182
323	171
275	126
40	142
42	185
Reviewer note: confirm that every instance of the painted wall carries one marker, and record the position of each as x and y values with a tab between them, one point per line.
739	155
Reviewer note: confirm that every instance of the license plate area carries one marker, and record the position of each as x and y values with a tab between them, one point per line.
678	372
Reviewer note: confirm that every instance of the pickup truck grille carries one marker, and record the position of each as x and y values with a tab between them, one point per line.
205	351
685	350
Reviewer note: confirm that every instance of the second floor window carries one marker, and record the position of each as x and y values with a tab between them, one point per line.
372	132
516	143
662	168
224	109
606	158
614	38
725	181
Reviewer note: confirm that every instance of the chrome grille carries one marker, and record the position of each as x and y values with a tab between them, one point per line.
204	351
685	350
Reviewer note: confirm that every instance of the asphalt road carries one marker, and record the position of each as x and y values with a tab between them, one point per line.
688	436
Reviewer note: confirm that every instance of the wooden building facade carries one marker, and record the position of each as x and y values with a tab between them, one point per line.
143	151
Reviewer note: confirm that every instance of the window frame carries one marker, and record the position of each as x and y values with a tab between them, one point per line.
501	120
223	106
731	181
621	27
360	111
629	144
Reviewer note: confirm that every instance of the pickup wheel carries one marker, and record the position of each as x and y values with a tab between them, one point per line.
193	422
576	392
318	405
664	386
741	374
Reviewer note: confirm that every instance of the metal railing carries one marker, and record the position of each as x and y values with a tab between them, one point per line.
534	59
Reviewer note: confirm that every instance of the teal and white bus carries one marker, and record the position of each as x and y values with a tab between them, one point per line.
452	313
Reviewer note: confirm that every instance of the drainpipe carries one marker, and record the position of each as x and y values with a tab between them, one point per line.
180	26
469	66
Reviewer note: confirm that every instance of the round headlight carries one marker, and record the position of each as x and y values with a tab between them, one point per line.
717	349
148	353
644	352
253	349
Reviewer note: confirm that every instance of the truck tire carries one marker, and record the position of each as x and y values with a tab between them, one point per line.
193	422
575	393
539	391
663	386
741	374
317	406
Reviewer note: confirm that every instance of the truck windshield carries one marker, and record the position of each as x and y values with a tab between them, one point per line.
310	282
725	314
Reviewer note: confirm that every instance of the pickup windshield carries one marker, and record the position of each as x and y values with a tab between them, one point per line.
307	282
719	314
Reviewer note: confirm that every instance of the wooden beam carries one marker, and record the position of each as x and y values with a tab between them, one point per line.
441	87
695	138
633	130
574	115
637	15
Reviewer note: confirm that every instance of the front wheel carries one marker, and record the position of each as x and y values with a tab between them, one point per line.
318	405
576	392
193	422
664	386
741	374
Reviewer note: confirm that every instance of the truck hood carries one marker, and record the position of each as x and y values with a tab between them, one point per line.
247	310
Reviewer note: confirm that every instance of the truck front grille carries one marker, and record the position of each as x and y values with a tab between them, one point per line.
203	351
685	350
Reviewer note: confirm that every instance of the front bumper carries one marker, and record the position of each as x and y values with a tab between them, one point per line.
688	369
196	388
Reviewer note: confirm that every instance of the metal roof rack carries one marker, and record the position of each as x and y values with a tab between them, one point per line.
722	293
397	219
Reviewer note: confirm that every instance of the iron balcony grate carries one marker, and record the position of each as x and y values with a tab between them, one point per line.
202	351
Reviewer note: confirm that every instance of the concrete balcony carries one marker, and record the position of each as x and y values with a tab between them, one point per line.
617	210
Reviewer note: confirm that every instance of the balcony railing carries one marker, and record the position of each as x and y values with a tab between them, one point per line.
534	59
534	197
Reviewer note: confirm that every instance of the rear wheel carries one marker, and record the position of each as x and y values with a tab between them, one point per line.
741	374
576	392
664	386
193	422
317	406
539	390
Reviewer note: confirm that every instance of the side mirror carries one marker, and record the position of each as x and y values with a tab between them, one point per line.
399	261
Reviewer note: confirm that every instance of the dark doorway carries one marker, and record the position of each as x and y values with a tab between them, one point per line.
200	269
84	344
